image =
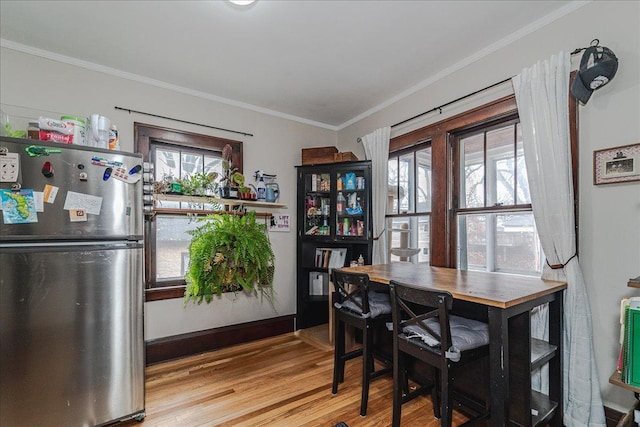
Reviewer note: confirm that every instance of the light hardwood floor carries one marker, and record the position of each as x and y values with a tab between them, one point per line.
281	381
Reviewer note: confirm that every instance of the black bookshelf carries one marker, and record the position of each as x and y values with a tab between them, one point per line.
326	226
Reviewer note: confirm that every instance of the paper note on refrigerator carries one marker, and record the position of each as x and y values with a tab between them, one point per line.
91	204
38	197
49	194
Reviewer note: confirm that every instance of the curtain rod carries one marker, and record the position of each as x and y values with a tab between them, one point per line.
182	121
440	107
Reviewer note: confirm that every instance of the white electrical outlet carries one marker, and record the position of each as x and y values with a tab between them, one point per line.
9	167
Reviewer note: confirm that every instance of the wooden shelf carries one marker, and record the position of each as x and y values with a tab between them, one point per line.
634	283
544	408
218	200
177	211
616	379
541	353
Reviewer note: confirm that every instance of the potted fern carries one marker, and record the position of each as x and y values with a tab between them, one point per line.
229	253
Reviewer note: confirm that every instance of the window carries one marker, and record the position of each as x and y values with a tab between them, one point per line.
409	203
467	192
172	237
494	222
178	154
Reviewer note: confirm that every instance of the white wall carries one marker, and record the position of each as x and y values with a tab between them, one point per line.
609	233
53	88
609	215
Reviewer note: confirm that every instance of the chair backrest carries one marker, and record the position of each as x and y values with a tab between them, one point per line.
421	309
351	290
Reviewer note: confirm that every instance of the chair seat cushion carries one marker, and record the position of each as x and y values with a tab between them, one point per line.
466	334
379	304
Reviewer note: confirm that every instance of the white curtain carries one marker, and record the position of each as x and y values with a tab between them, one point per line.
376	148
542	96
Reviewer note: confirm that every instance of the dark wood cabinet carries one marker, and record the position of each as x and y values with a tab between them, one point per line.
333	228
528	355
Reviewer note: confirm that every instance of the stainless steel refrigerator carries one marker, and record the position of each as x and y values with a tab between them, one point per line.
71	285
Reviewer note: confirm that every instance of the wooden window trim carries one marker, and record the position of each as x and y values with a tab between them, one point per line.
144	136
413	150
440	134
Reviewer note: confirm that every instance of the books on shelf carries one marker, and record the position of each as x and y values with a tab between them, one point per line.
330	257
630	350
325	258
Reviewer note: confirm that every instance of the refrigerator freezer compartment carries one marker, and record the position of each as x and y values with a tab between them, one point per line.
67	179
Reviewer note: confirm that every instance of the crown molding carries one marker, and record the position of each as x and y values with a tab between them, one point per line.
534	26
157	83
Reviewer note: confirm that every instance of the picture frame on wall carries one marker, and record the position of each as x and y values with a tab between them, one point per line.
616	164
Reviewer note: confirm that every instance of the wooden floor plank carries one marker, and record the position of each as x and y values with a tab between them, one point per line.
280	381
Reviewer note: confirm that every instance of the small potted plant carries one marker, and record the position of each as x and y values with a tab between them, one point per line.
244	192
203	184
198	184
231	178
229	253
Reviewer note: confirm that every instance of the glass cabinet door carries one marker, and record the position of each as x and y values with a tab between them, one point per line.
317	204
336	202
351	200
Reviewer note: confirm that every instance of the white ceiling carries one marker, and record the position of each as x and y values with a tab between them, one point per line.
327	63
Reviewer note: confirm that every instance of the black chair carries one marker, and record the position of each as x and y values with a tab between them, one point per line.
424	328
356	305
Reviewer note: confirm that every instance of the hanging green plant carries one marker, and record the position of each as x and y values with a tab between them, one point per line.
229	253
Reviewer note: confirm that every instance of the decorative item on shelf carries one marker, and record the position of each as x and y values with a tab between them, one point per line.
245	193
229	253
176	187
272	192
231	178
198	184
267	189
201	184
261	189
340	203
349	181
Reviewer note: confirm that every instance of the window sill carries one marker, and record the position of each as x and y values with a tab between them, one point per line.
158	294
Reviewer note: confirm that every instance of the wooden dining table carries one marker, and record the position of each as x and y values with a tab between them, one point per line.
506	300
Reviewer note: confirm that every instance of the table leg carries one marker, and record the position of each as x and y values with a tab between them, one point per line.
556	317
499	366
